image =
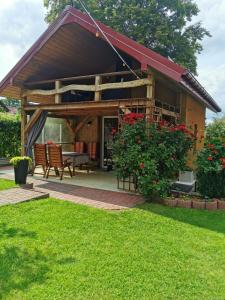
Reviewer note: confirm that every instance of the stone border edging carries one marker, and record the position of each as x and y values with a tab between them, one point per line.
192	204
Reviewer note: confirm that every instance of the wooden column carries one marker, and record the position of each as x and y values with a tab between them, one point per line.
23	125
98	81
150	96
58	97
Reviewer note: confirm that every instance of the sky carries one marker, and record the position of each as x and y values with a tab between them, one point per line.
22	22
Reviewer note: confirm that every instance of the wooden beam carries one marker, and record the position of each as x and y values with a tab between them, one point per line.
90	88
82	123
122	73
58	96
32	120
170	113
69	126
123	85
98	94
87	105
150	96
23	124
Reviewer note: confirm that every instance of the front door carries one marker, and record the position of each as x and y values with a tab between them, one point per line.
109	125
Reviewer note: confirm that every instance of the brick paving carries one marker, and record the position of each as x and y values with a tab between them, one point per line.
16	195
81	195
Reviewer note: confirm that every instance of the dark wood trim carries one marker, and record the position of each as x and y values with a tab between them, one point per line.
86	105
111	74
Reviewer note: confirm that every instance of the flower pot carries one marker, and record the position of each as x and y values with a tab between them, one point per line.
21	171
211	205
184	203
221	204
170	202
198	204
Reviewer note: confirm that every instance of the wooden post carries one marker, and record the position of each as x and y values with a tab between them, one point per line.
98	81
23	125
58	97
150	96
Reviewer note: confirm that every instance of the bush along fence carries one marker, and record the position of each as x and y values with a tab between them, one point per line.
210	175
151	154
9	135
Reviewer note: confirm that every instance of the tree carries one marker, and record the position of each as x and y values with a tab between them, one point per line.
162	25
11	102
216	130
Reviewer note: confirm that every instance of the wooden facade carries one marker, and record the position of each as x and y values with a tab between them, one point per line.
74	74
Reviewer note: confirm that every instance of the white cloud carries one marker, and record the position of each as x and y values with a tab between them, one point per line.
211	62
21	22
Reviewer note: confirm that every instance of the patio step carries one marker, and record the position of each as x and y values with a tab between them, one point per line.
17	195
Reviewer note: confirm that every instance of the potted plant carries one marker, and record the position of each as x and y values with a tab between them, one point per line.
21	165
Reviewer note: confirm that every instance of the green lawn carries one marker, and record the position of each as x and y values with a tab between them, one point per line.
51	249
6	184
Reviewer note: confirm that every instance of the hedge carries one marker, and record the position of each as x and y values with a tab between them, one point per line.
9	135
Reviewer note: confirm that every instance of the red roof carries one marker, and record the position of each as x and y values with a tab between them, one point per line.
143	55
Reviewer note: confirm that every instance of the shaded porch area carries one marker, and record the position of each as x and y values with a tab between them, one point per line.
97	179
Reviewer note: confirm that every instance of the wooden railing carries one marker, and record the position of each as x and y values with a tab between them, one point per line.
89	88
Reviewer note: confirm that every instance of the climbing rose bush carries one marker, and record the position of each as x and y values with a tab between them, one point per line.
152	155
211	170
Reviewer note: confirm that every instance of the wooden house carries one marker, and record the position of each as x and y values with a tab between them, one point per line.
73	72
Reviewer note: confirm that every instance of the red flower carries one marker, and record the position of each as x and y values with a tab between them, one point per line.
210	158
142	165
211	146
163	123
131	118
113	131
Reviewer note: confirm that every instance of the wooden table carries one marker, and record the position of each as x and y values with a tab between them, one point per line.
78	159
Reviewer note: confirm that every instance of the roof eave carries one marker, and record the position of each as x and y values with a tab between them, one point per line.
190	82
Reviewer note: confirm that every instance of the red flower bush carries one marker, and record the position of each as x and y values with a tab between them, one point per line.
151	154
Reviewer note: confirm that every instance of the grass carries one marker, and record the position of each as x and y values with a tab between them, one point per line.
6	184
51	249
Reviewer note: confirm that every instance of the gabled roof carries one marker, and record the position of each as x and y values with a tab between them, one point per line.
146	57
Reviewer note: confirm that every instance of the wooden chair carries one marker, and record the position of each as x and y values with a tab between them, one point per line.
40	158
79	147
56	161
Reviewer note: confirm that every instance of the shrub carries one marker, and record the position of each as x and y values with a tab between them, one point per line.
211	170
9	135
153	155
